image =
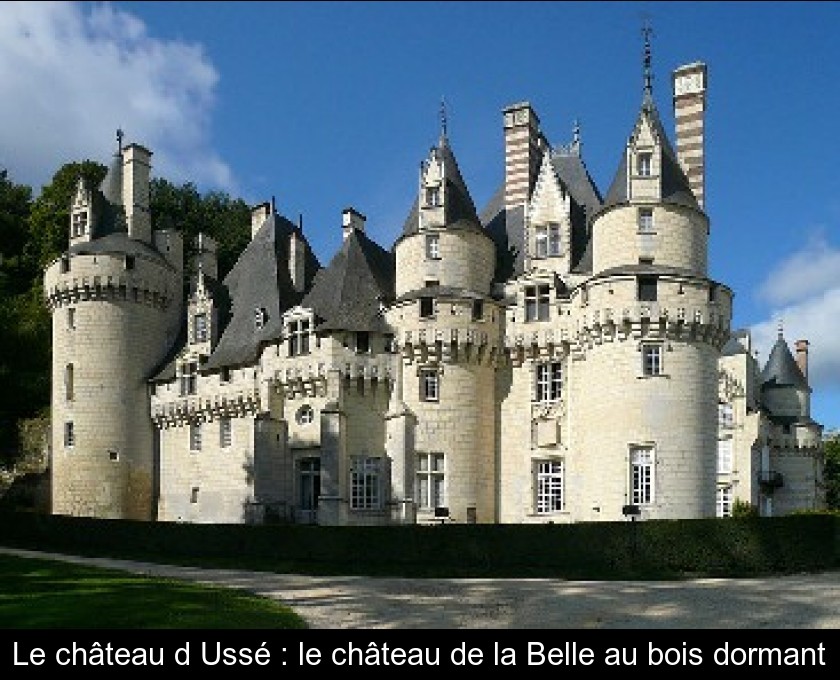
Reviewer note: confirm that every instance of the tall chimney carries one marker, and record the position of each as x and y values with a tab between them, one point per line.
137	168
802	357
352	220
297	260
259	214
524	147
206	255
689	114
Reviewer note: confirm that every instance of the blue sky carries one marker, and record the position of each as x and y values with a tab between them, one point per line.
327	105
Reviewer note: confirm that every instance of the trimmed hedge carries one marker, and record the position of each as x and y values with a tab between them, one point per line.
748	546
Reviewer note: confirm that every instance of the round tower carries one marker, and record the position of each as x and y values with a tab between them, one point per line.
115	299
648	328
448	330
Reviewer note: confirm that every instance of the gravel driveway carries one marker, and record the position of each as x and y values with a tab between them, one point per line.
800	601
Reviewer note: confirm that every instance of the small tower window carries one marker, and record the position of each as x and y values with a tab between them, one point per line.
200	328
477	310
433	247
429	385
427	307
305	415
129	262
68	382
260	318
225	432
65	264
69	434
71	318
652	359
189	378
194	495
646	288
645	220
536	303
195	436
645	164
432	197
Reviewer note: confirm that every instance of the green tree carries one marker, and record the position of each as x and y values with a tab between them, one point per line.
831	473
15	204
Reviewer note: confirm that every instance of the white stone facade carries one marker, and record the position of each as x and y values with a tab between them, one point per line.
599	378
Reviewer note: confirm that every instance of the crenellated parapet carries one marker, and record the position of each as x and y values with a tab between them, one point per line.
115	277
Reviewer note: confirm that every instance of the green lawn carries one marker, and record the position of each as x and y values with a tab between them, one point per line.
42	594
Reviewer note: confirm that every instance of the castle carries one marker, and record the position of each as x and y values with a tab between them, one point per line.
560	356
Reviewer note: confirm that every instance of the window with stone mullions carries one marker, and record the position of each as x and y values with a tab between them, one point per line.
549	382
429	385
365	474
549	486
200	328
189	378
652	360
724	501
724	457
547	241
430	481
641	476
537	302
433	247
298	338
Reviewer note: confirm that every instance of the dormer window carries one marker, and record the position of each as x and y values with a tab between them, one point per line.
298	337
80	220
200	328
189	378
433	247
260	318
547	241
645	164
432	197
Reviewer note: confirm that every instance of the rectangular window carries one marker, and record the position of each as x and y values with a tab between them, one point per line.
362	342
645	164
79	223
726	415
724	457
537	302
69	434
549	382
68	382
651	359
195	436
224	374
553	239
427	307
429	488
549	486
129	262
641	475
724	501
432	247
477	310
429	385
194	495
200	328
390	343
365	475
71	318
432	196
646	288
646	220
225	432
189	378
298	339
541	242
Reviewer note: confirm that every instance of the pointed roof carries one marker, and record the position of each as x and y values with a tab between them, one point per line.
346	294
781	369
260	280
111	184
460	212
675	187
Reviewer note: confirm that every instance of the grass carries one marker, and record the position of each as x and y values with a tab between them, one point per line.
42	594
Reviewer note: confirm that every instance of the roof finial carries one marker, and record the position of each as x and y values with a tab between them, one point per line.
443	121
120	135
576	137
647	32
781	328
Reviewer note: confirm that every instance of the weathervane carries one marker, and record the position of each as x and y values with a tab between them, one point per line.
647	32
443	120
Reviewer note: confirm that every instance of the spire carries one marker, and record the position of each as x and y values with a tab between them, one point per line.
647	32
443	122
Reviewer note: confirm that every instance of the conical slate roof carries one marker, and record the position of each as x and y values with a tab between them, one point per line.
346	294
675	186
781	369
460	212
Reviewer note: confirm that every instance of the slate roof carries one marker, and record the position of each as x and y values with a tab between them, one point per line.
260	279
675	186
117	243
781	369
460	212
346	294
734	346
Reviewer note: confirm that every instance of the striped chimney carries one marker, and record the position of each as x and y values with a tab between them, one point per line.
689	114
524	147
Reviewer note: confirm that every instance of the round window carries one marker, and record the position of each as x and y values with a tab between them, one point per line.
305	415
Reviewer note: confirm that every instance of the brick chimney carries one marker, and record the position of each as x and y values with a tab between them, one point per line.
689	114
802	357
524	147
137	168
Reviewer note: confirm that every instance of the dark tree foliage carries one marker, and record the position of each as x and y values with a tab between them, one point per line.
35	232
216	214
831	473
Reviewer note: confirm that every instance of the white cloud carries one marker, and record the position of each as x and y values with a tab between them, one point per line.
816	319
807	273
71	74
